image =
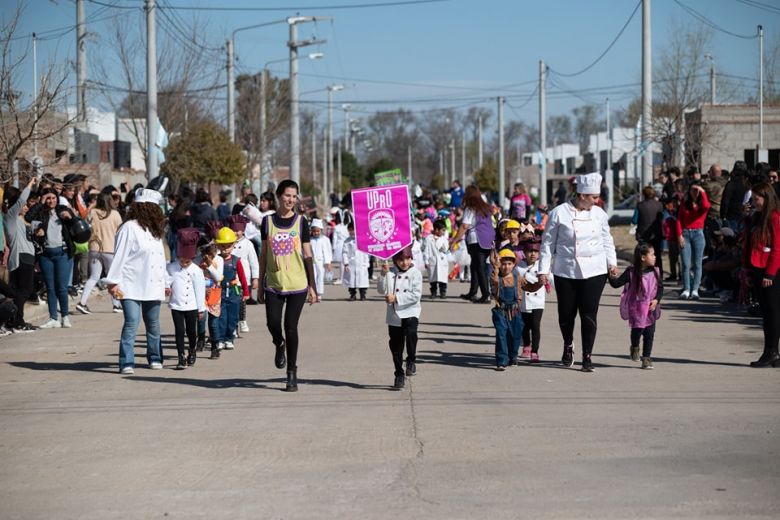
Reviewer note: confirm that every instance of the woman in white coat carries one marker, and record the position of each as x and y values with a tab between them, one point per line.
137	277
354	262
578	250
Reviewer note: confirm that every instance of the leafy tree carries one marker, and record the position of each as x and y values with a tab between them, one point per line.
202	155
487	176
351	172
382	165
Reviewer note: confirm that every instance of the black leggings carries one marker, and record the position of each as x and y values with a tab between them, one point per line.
22	282
479	278
274	305
769	301
648	333
185	322
581	296
532	322
405	335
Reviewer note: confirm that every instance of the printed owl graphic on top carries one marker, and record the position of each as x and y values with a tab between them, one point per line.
283	245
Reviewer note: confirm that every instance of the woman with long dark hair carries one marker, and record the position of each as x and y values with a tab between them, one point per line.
577	248
477	227
137	277
690	229
762	258
105	221
287	274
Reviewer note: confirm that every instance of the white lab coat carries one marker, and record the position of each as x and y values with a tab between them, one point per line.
357	276
418	260
531	300
435	255
188	287
577	244
139	264
407	287
322	256
340	235
245	251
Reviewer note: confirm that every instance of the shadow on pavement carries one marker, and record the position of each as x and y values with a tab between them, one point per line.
471	325
453	340
80	366
458	359
254	383
476	335
681	361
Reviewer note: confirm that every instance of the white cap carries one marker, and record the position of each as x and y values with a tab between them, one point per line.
146	195
334	210
316	223
589	183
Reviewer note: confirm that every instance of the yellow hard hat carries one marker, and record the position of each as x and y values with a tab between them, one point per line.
225	235
512	224
506	253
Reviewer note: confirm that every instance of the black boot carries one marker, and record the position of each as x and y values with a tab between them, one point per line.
214	352
362	295
182	362
568	356
279	360
767	359
292	381
398	384
587	364
192	357
201	343
411	368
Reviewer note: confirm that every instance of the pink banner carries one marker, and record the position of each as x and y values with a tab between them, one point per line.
383	224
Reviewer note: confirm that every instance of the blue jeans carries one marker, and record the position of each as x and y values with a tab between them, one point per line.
133	311
225	325
57	269
509	334
691	255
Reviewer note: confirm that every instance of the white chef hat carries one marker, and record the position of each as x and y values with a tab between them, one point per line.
316	223
589	183
147	195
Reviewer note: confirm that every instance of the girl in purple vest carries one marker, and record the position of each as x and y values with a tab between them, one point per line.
640	301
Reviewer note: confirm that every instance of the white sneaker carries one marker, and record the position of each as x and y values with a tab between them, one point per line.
221	345
694	295
228	345
51	324
66	322
155	365
685	295
243	326
4	331
117	310
127	370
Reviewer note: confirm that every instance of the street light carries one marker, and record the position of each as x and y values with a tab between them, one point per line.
329	162
346	107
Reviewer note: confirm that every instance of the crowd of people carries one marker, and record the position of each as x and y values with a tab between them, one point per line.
66	238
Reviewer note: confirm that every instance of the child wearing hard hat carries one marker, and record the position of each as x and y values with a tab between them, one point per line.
235	288
508	294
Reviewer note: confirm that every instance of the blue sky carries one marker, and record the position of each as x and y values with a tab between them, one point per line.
459	52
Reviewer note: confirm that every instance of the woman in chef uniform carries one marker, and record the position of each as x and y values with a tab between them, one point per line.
577	249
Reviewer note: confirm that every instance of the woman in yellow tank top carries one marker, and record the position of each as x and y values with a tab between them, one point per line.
287	272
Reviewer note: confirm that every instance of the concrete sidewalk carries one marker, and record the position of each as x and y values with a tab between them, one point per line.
696	437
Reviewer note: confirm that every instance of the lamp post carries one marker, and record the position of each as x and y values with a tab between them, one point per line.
329	162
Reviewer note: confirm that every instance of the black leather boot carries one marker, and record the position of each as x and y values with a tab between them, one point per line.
279	360
201	344
182	362
292	381
192	357
214	352
767	359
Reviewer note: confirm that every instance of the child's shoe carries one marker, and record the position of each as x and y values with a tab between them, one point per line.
399	382
201	344
526	354
634	353
243	327
228	345
182	363
411	368
534	357
214	352
647	363
192	357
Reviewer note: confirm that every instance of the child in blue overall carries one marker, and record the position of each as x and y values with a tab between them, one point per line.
234	287
508	293
640	301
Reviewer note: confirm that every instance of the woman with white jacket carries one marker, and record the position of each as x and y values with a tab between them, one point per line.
138	275
578	250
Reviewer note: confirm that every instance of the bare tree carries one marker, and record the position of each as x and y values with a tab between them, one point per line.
586	122
22	124
559	129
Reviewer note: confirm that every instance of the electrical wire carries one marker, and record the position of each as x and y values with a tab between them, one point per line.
609	47
179	26
530	98
760	5
706	21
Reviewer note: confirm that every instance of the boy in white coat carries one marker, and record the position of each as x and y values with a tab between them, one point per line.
355	267
244	249
321	253
402	289
532	306
435	256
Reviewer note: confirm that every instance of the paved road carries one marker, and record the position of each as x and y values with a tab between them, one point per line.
696	437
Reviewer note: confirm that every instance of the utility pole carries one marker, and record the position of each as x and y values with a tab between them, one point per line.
36	96
81	62
479	158
463	159
295	136
608	172
331	89
501	182
454	172
712	77
346	109
263	78
647	96
760	90
542	138
325	179
314	152
338	189
151	90
231	87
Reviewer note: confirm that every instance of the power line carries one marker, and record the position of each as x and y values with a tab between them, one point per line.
614	41
706	21
514	108
179	26
760	5
288	7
